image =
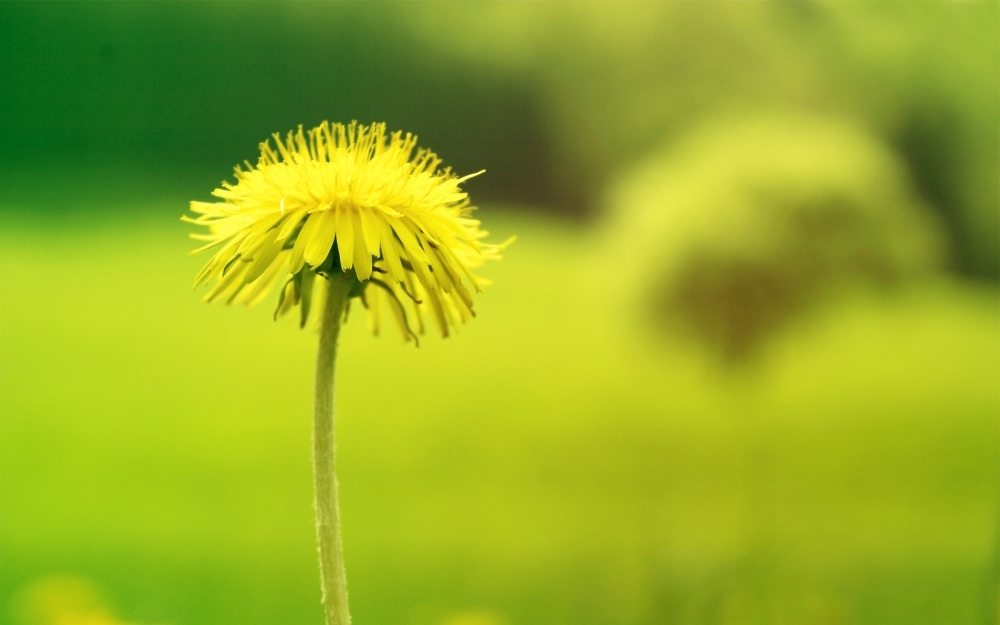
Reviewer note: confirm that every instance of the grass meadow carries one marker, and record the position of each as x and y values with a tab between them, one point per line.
556	462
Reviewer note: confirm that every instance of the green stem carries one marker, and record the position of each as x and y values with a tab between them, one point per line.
331	553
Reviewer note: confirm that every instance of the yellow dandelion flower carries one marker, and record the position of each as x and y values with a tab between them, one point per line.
351	201
335	213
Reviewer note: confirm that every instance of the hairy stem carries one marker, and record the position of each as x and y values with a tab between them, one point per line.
331	552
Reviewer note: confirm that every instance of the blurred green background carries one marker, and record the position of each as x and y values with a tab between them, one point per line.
741	365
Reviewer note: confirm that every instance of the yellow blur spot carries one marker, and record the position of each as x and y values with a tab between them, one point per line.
474	618
63	600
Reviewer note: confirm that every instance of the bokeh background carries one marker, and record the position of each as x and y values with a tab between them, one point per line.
741	365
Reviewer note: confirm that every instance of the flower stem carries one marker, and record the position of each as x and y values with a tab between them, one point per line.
331	553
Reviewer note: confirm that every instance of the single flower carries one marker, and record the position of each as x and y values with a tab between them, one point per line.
343	212
347	200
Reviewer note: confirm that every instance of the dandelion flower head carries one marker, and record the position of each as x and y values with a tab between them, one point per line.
352	203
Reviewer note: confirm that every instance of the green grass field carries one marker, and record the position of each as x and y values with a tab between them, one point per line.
553	463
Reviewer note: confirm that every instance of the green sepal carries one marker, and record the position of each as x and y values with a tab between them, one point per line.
304	281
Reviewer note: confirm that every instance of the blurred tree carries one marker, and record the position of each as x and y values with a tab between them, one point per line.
745	223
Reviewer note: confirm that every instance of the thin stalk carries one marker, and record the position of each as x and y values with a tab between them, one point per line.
331	553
